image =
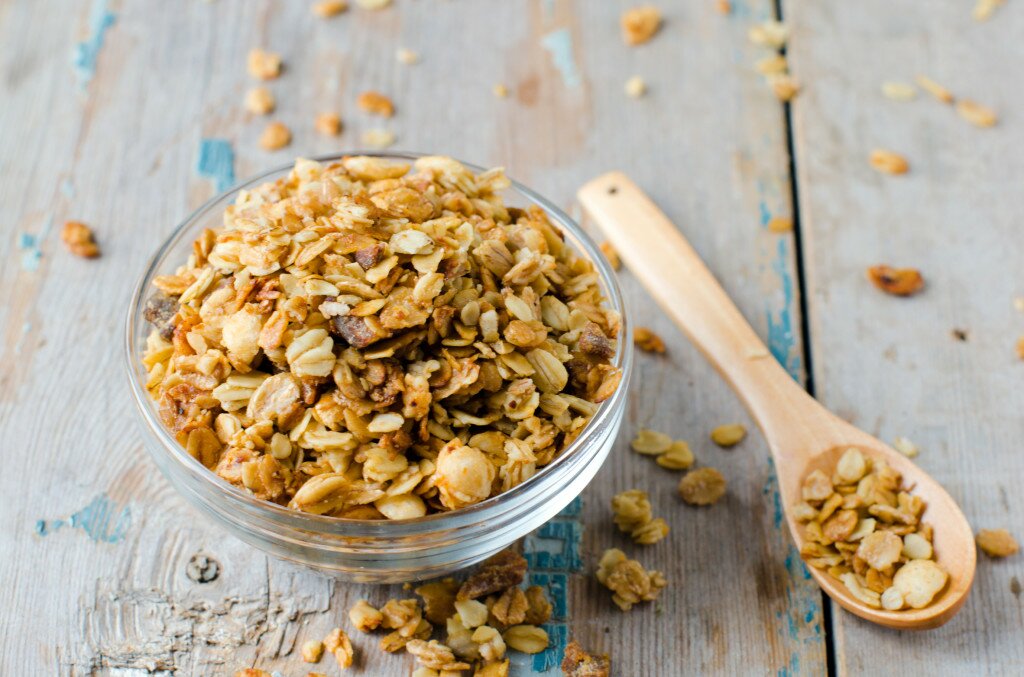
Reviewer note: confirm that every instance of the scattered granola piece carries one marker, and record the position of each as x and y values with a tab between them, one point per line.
376	103
896	281
338	644
651	532
579	663
611	254
378	138
275	136
723	6
640	24
919	581
905	447
539	609
503	570
510	608
365	617
528	639
888	162
499	90
328	8
647	341
678	457
772	65
489	643
934	88
702	486
264	65
635	87
975	113
407	56
312	651
439	599
771	33
328	124
1020	348
473	613
729	435
780	224
997	542
629	582
899	91
784	86
373	4
631	509
78	238
650	442
984	9
433	654
259	100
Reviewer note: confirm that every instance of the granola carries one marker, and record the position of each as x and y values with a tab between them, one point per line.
647	341
632	511
78	238
865	529
264	65
629	582
635	87
376	103
934	88
702	486
610	253
362	341
260	100
338	644
328	124
275	136
997	542
328	8
976	114
728	435
888	162
640	24
579	663
896	281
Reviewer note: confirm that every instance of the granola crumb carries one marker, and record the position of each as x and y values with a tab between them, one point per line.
899	91
328	124
976	114
647	341
376	103
373	4
629	582
79	240
259	100
611	254
775	64
959	334
678	457
934	88
905	447
1020	348
312	651
780	224
407	56
640	24
578	663
729	435
770	33
275	136
703	486
723	6
650	442
631	509
896	281
338	644
636	87
997	542
264	65
784	86
325	9
378	138
500	91
984	9
365	616
888	162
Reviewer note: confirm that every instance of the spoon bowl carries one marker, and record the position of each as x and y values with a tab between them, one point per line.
802	435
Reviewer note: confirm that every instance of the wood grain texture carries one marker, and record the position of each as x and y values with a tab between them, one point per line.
892	365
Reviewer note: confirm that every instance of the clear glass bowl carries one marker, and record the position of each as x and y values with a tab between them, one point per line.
370	550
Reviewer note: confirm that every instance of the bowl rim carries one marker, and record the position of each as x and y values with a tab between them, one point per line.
332	524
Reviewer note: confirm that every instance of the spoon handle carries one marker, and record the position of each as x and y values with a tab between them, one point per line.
673	273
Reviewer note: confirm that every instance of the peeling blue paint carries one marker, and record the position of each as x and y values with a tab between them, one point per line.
559	43
26	328
781	339
31	253
102	520
67	189
86	53
217	163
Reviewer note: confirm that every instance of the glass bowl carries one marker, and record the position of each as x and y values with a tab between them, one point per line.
383	551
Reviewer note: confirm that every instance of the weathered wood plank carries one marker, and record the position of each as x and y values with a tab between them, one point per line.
708	143
891	365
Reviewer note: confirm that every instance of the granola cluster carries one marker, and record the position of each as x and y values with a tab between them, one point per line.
865	529
629	582
483	617
365	341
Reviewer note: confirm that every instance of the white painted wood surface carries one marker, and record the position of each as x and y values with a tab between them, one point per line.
112	597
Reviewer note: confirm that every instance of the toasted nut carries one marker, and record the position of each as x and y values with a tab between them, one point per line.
780	224
264	65
312	650
728	435
919	580
896	281
702	486
472	612
328	8
899	91
635	87
376	103
997	542
647	341
79	240
678	457
650	442
259	100
328	124
975	113
640	24
275	136
888	162
935	89
769	34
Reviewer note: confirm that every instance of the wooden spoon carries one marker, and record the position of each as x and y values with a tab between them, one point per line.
802	435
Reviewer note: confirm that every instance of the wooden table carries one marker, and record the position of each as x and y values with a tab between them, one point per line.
105	110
